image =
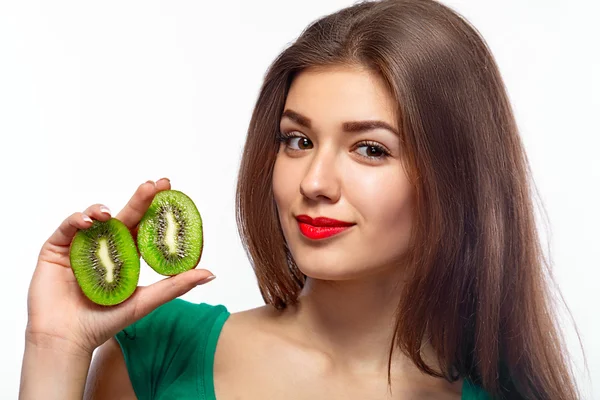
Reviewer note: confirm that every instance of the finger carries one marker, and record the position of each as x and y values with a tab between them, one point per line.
163	184
68	228
146	299
99	212
137	206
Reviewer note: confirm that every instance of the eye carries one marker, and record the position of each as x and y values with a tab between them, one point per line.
294	141
372	150
302	143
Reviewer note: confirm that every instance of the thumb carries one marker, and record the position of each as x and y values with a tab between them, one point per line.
146	299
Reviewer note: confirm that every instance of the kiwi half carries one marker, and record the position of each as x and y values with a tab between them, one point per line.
105	262
170	236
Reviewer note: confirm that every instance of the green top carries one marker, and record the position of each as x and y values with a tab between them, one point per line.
170	352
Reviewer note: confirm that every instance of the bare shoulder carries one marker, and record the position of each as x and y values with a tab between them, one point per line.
262	354
263	319
445	391
255	358
257	314
249	328
108	377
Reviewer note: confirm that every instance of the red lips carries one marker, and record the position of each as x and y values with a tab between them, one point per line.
321	227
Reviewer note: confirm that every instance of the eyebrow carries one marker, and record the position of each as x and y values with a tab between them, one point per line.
350	126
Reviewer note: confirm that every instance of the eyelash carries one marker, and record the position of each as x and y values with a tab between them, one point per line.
284	137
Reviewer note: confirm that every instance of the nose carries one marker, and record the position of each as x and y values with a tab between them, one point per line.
321	181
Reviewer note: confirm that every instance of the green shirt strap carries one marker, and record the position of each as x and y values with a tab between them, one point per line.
169	352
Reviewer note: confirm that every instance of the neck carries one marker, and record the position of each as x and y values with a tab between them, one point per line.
351	321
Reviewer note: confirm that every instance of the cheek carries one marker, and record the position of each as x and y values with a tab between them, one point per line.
285	192
383	198
284	185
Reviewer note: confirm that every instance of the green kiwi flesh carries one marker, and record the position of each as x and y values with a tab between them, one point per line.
170	236
105	262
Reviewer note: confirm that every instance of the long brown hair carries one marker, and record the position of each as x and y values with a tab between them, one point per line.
475	262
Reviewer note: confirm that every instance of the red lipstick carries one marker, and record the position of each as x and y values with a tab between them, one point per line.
321	227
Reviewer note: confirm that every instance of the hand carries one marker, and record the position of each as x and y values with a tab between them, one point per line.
61	317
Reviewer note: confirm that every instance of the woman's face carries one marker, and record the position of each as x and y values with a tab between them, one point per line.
339	161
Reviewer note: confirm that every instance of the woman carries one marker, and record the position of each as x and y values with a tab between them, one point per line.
384	202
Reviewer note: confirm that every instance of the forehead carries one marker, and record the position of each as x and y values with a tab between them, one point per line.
341	93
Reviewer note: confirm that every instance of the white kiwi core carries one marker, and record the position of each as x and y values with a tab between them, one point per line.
171	233
106	260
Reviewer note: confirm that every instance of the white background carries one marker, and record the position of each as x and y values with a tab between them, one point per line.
97	97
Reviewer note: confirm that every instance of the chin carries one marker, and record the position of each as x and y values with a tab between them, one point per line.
342	266
330	268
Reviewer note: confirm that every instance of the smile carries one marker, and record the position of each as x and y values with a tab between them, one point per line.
321	227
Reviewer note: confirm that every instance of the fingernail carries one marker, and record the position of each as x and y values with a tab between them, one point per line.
206	280
152	183
105	210
86	218
165	179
